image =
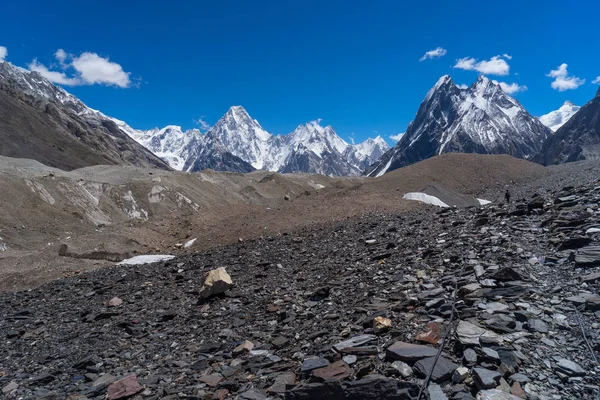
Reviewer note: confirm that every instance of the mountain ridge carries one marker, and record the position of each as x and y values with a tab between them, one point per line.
480	119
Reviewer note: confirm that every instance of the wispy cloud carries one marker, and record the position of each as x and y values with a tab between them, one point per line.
204	126
397	136
462	86
88	69
496	65
596	81
512	88
435	53
3	53
562	80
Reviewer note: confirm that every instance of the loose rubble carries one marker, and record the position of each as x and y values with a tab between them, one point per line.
357	310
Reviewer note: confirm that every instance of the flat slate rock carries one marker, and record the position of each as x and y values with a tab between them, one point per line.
588	256
469	334
485	378
569	367
443	370
409	352
354	342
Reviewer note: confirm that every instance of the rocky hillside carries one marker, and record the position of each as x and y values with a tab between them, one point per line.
578	139
41	121
356	310
481	119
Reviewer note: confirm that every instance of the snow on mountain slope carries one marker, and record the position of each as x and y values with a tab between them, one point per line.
557	118
480	119
64	131
310	148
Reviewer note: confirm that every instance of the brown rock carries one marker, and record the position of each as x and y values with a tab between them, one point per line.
517	390
381	324
212	380
432	333
124	388
336	371
221	394
281	382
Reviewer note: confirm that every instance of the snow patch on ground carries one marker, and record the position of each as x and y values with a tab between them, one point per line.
189	243
483	202
146	259
3	246
424	198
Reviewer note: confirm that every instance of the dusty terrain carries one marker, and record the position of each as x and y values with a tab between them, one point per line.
348	311
123	211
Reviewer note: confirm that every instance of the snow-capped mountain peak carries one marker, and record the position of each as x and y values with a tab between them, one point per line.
318	139
557	118
480	119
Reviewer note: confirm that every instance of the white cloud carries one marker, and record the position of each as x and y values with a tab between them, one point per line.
435	53
596	81
89	68
397	137
462	86
3	53
53	76
496	65
61	56
512	88
508	57
204	126
95	69
562	80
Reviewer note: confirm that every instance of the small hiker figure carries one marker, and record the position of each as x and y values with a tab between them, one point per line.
507	196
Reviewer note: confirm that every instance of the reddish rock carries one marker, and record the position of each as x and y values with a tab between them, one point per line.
211	380
124	388
336	371
281	381
517	390
221	394
271	308
432	333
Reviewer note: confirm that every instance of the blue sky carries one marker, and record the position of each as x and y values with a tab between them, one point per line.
354	64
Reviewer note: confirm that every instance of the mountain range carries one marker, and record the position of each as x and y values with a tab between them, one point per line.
310	148
42	121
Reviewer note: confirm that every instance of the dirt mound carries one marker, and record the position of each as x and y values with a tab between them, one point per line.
131	210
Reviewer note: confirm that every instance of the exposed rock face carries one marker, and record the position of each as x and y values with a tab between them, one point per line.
481	119
41	121
578	139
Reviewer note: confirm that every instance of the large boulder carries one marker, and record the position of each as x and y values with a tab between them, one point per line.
216	282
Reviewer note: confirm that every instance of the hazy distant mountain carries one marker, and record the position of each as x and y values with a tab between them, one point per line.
578	139
557	118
